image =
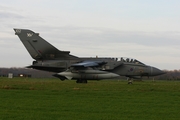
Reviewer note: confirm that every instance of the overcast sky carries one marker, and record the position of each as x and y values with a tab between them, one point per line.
147	30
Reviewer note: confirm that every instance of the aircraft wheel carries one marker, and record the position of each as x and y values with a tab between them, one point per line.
84	81
129	80
77	81
81	81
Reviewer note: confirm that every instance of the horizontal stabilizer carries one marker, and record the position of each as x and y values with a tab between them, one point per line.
46	68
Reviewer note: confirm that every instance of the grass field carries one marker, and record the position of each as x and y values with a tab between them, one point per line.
52	99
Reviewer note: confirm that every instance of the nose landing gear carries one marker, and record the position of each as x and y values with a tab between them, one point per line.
129	80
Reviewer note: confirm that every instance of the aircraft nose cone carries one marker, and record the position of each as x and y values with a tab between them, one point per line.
157	71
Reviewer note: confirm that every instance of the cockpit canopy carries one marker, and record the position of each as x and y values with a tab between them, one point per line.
128	60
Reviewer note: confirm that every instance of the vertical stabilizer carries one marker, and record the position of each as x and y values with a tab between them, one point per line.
38	48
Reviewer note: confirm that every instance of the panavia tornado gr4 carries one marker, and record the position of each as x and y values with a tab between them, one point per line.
66	66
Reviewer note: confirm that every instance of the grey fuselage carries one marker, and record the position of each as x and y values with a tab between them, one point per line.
115	65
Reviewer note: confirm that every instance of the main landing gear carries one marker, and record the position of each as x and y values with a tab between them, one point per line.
81	81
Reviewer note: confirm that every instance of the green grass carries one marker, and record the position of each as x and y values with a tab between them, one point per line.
53	99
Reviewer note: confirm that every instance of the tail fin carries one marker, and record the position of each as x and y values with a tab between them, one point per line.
38	48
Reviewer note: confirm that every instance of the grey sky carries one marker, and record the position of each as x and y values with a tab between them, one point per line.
146	30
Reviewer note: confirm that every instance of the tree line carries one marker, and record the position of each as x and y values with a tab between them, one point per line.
24	72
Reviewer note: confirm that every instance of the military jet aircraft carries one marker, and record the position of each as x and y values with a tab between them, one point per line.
66	66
